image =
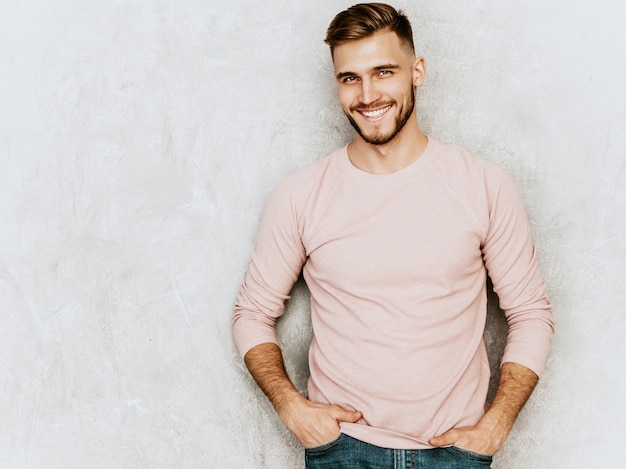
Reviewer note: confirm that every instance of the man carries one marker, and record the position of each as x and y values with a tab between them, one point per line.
394	234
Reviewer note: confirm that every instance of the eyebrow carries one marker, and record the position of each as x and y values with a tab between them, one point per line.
378	68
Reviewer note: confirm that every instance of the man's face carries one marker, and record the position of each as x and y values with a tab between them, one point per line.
376	79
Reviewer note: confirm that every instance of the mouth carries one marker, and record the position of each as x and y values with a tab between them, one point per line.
373	115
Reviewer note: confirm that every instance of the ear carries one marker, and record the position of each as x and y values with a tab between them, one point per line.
419	71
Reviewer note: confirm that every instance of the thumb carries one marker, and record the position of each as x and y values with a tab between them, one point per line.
447	439
344	415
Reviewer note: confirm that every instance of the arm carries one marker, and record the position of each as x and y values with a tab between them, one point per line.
487	437
277	260
312	423
509	257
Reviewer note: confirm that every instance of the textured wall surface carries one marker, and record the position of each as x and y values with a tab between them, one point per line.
139	141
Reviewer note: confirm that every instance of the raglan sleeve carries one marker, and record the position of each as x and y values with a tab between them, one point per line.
275	265
510	259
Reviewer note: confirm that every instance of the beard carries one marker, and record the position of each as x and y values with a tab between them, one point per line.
379	138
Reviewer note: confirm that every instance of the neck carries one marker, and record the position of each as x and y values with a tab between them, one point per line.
405	148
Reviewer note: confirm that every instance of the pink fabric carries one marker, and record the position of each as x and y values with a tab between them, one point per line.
396	268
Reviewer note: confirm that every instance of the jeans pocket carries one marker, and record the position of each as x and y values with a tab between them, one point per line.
472	454
325	446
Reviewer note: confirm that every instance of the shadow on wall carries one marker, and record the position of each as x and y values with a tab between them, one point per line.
496	330
295	333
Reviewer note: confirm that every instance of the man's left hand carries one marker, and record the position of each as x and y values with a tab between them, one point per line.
489	434
473	439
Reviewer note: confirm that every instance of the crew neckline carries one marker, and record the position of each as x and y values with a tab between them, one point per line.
396	176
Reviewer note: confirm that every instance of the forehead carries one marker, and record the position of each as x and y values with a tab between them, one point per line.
383	47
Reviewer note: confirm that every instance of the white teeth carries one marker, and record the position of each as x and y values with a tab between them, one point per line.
377	113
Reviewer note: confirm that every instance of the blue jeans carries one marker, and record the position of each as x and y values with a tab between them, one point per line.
346	452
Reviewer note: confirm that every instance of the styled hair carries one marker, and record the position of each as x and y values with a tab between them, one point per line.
364	19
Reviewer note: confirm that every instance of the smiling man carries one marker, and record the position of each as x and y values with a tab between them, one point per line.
394	234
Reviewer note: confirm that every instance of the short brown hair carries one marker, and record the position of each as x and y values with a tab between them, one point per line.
363	20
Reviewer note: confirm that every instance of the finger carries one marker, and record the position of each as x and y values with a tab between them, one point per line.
343	415
351	417
447	439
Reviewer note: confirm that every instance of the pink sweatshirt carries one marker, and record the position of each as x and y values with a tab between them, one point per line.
396	265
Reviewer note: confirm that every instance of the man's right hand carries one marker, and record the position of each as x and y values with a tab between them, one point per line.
312	423
315	424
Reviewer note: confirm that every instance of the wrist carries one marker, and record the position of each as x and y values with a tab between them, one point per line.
497	426
289	406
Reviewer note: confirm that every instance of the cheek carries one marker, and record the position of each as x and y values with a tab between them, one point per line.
390	91
347	98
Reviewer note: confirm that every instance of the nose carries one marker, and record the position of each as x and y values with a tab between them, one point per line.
369	93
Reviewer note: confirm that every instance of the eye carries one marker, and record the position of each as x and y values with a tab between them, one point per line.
384	73
349	79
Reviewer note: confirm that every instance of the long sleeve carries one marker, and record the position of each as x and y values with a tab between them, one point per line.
509	256
276	262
